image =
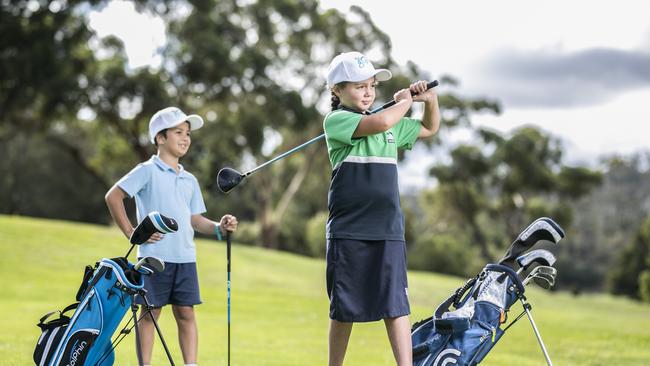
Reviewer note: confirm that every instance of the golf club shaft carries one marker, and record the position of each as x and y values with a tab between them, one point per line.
228	270
299	147
129	252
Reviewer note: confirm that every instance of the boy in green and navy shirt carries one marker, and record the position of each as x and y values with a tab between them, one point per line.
366	251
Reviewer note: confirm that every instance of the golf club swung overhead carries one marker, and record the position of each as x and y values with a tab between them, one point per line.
229	178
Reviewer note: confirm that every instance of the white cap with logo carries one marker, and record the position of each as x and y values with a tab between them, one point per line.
171	117
353	66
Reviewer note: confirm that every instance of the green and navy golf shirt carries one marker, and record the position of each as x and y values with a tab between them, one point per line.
363	198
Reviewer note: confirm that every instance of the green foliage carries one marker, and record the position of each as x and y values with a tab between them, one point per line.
644	286
628	277
442	254
315	234
508	182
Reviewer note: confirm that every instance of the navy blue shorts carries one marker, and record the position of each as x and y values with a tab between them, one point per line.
366	279
178	284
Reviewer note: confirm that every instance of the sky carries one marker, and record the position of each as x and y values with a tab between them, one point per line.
580	70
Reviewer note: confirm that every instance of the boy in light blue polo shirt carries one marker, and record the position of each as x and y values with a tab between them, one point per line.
162	184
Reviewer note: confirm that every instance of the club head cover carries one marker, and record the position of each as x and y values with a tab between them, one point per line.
154	222
541	256
541	229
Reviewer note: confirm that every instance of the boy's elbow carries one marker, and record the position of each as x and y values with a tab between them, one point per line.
113	194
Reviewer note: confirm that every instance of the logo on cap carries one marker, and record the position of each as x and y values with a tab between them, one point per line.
361	61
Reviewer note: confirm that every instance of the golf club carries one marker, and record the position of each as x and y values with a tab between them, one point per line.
229	178
149	265
228	270
540	256
543	276
541	229
154	222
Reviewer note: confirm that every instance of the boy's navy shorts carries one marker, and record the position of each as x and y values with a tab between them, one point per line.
178	284
366	279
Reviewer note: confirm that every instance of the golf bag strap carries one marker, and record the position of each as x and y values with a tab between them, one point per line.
43	325
88	274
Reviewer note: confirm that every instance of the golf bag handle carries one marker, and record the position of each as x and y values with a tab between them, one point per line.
430	85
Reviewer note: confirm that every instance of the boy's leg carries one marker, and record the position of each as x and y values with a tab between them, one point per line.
188	336
399	335
146	333
338	341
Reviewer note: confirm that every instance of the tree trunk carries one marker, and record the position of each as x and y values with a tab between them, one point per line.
271	219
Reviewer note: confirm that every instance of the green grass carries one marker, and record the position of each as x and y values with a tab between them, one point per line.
279	306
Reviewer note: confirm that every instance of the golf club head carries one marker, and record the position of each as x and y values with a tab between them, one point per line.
540	256
543	276
228	178
149	265
153	223
544	282
541	229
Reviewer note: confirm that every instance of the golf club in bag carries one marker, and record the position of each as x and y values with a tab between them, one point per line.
468	324
106	293
229	178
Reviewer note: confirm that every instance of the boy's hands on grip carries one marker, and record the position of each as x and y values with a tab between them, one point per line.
228	223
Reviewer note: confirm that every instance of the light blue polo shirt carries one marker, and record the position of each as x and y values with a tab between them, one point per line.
157	187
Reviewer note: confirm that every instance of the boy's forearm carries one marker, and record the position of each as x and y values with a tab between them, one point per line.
115	202
203	225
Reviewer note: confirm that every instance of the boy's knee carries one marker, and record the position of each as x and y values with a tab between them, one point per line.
184	313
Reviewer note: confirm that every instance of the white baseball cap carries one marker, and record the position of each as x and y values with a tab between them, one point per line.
171	117
353	66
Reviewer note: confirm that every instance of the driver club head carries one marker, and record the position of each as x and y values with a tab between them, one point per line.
228	178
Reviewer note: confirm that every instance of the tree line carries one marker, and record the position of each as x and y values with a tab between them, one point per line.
73	119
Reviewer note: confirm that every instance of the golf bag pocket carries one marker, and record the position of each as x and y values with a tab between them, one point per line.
475	342
427	343
51	334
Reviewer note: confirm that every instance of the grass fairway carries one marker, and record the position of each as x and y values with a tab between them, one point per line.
279	306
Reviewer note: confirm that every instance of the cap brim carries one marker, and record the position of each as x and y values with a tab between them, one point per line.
383	74
195	121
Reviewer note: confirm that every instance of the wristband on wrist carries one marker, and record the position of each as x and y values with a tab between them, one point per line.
217	230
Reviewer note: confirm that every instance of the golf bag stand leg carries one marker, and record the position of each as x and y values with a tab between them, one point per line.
149	312
527	308
138	349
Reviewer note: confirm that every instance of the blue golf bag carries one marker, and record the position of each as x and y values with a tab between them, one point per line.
84	338
464	336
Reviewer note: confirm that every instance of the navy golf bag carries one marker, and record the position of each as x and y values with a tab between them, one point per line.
464	336
84	338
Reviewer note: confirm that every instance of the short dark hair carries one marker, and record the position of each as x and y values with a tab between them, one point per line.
161	132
